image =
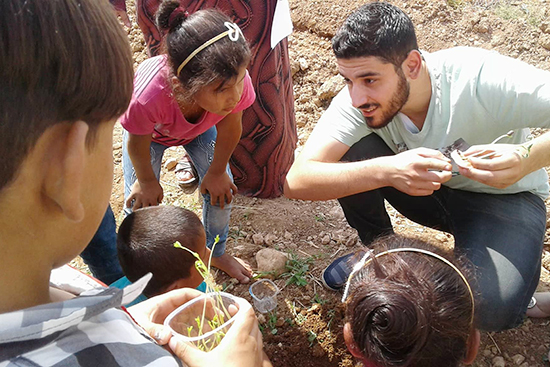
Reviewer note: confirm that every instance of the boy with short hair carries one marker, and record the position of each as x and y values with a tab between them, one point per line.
65	76
145	244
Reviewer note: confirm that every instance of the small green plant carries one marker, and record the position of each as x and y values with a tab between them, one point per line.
320	217
211	287
311	337
318	299
297	270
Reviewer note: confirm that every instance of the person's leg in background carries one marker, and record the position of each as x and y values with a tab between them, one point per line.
101	254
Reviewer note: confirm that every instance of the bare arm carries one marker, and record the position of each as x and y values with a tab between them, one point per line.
317	173
146	190
216	181
510	162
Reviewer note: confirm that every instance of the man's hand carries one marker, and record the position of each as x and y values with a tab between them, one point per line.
220	187
418	172
242	346
496	165
150	314
145	194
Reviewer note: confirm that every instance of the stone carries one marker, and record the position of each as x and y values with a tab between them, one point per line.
545	27
337	212
518	359
261	318
170	164
270	239
271	261
325	240
258	239
498	361
544	41
288	235
331	87
304	65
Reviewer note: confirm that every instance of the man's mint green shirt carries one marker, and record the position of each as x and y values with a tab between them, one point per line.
477	95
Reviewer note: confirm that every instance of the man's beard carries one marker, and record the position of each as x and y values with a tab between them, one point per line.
397	101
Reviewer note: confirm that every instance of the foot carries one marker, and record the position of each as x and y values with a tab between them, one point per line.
187	175
542	306
335	276
234	267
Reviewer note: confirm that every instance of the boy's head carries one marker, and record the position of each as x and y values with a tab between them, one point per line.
376	29
145	244
66	73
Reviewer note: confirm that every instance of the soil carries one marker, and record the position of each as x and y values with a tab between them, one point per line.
306	328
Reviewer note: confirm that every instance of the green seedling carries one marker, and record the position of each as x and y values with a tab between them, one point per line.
311	337
318	299
211	287
297	270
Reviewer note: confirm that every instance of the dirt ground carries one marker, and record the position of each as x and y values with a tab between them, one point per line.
305	329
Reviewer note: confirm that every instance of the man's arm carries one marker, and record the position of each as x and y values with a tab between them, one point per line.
510	162
317	173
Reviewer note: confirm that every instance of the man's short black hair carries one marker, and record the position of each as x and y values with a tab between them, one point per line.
376	29
145	244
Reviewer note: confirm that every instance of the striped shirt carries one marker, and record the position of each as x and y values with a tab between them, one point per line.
89	330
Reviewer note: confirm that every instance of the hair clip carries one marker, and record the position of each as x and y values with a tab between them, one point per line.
234	31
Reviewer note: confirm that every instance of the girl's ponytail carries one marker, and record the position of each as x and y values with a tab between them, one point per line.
170	15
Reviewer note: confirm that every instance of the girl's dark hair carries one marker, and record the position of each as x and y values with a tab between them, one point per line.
145	244
185	33
376	29
61	61
411	309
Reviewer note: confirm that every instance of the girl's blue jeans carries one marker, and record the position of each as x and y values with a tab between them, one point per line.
501	235
201	152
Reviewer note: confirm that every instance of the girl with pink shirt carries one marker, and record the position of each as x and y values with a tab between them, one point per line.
193	96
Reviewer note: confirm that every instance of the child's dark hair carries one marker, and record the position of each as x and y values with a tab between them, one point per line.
187	32
410	308
145	243
376	29
61	61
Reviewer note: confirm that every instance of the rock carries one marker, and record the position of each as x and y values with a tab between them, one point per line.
545	27
325	240
498	361
170	164
544	41
318	351
288	235
270	260
487	353
331	87
261	318
270	239
294	67
518	359
280	322
337	212
304	65
258	239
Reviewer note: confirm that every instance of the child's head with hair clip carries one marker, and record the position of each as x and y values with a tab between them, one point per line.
410	307
145	244
218	64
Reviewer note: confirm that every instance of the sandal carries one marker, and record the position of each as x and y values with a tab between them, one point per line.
186	166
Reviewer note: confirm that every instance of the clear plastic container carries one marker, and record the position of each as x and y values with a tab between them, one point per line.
187	321
264	293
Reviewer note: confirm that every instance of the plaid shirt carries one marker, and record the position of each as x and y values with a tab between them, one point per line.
89	330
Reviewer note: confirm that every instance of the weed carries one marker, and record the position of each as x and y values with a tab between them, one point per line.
320	217
311	337
318	299
297	270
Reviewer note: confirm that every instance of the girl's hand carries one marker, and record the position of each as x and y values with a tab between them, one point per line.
496	165
220	187
145	194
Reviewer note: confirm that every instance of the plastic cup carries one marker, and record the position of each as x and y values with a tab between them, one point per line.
264	293
187	322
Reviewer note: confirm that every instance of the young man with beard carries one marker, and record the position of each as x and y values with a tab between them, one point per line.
383	138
